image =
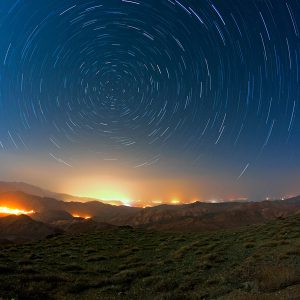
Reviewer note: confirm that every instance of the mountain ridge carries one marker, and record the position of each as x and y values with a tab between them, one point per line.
19	186
197	216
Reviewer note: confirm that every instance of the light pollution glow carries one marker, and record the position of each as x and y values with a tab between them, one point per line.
136	191
118	184
142	193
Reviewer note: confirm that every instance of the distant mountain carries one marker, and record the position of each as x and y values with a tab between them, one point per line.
6	187
50	216
206	216
197	216
23	228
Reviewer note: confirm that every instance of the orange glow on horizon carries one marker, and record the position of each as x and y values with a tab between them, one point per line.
120	190
83	217
133	190
107	193
176	200
14	211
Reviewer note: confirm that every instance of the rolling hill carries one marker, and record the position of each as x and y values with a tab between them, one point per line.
254	263
23	228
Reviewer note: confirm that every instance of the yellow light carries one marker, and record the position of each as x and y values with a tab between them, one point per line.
14	211
107	193
83	217
175	201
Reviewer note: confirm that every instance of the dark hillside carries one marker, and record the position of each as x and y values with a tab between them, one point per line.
254	262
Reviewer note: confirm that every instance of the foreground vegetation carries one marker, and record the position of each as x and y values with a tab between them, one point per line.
256	262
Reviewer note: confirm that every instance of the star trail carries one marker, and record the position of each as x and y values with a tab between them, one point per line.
203	95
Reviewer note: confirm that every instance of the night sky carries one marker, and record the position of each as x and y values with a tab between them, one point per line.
150	101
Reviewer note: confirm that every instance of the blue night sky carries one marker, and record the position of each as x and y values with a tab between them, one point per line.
142	100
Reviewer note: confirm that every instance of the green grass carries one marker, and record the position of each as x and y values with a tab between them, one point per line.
255	262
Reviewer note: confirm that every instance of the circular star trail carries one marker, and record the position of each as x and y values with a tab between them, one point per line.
190	77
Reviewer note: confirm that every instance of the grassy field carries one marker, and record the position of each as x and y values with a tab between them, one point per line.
256	262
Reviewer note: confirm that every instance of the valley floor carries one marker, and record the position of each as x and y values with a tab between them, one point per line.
255	262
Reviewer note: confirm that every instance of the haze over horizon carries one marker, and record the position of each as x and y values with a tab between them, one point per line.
152	101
